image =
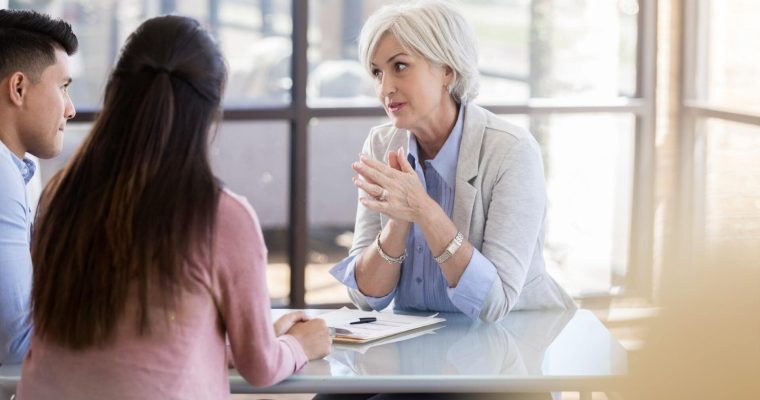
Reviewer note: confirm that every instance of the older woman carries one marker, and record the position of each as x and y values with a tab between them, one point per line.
452	198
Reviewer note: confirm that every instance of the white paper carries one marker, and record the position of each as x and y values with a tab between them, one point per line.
387	324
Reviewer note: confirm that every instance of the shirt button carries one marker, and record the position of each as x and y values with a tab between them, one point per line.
419	249
419	280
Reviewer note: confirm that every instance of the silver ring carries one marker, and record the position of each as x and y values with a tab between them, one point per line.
383	195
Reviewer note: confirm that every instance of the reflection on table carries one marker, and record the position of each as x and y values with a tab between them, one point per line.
527	351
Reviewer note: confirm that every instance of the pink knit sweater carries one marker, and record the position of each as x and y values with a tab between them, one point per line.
184	356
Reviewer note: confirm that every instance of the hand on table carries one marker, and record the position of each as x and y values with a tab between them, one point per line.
284	323
314	336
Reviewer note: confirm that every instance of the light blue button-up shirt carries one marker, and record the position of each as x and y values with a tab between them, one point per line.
15	257
422	285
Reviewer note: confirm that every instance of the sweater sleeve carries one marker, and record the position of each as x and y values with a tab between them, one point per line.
239	285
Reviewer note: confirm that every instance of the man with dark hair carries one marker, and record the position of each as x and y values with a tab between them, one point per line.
34	108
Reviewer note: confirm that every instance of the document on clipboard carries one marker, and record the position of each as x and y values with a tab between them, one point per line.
384	325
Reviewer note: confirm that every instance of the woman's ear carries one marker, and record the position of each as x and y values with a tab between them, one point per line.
448	78
449	74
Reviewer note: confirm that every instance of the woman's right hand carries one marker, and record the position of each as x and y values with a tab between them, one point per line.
314	336
370	187
394	159
398	195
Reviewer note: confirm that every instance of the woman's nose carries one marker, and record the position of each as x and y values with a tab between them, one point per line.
387	86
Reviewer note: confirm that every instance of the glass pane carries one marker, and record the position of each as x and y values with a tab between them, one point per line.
335	75
254	36
583	49
547	48
588	161
333	145
729	58
252	160
732	185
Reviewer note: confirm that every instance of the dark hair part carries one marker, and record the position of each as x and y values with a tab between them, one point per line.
136	206
28	40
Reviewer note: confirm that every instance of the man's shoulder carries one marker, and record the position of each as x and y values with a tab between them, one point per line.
10	178
9	170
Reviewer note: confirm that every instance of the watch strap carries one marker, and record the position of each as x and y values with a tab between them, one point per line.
452	248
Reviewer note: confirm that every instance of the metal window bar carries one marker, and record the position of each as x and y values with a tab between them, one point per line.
638	278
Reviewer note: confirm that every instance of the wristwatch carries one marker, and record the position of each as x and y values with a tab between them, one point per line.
450	249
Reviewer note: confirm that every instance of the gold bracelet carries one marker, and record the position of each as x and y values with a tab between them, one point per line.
386	257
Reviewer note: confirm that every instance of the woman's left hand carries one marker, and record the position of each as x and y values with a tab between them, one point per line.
284	323
396	192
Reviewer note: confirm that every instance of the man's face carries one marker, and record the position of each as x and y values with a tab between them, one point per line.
47	106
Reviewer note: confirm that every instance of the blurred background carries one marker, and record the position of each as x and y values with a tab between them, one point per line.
646	112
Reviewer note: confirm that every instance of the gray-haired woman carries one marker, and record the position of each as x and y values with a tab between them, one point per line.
452	198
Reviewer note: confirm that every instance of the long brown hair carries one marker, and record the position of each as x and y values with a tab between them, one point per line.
138	201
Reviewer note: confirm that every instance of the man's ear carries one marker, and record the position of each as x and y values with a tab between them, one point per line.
17	85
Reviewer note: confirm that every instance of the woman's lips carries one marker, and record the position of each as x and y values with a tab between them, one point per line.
395	107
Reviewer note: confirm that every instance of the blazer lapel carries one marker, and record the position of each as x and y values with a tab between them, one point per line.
467	167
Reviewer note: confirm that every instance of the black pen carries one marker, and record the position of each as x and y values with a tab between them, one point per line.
364	320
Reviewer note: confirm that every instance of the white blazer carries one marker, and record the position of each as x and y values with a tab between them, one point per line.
499	205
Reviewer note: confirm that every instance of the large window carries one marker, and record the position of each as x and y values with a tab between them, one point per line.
721	126
577	74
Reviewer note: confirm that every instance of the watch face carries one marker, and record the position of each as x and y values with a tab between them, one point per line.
450	249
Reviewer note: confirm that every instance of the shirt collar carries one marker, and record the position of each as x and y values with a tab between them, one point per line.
445	162
25	166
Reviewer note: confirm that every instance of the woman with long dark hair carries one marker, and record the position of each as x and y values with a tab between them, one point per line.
143	262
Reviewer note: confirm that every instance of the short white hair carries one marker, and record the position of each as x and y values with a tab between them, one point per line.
432	29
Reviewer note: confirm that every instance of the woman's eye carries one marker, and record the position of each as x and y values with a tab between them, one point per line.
401	66
377	73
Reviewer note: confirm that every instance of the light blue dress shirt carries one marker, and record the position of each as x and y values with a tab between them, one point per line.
422	285
15	257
